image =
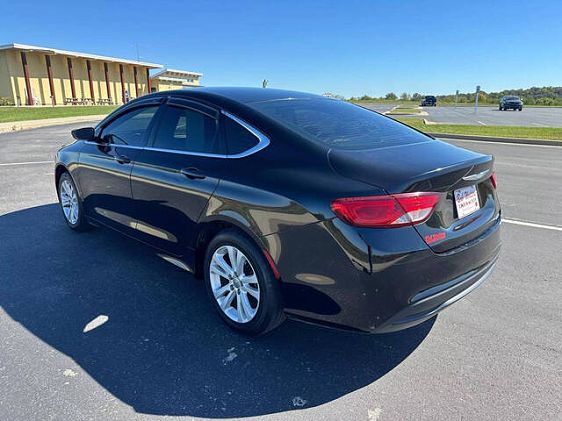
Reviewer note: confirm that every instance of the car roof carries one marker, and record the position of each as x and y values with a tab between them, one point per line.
238	94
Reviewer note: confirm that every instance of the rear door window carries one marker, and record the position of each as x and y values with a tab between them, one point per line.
187	130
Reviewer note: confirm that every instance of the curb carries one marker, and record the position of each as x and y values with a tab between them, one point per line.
497	139
35	124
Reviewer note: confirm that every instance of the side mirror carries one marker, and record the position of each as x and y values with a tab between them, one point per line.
85	133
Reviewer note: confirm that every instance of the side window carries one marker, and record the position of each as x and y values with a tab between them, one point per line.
238	138
130	129
184	129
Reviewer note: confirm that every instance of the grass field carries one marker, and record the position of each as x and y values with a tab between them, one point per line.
389	102
544	133
403	110
9	114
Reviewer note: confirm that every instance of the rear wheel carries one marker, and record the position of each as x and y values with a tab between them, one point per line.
241	284
71	204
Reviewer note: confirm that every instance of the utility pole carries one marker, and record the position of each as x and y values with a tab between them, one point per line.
456	98
476	100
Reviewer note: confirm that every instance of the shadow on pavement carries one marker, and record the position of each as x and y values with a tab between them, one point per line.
163	350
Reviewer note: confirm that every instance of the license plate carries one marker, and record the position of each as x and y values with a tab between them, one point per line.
466	200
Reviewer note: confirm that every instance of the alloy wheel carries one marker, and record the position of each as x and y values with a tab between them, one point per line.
69	202
234	284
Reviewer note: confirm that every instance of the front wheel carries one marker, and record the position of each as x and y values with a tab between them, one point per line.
71	204
241	284
501	109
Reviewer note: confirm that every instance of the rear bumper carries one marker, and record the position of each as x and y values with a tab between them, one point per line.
375	280
427	304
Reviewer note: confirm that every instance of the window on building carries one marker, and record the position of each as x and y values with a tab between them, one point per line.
130	128
238	138
184	129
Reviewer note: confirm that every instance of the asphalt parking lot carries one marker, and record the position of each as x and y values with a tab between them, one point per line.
492	116
486	115
495	355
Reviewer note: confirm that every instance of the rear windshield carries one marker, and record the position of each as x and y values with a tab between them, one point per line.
338	124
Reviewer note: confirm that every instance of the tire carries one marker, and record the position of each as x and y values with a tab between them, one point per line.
259	295
520	108
501	109
71	207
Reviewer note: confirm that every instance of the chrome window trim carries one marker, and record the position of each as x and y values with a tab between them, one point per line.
263	142
115	145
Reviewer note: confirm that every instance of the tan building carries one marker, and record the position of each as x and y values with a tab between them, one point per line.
167	79
31	75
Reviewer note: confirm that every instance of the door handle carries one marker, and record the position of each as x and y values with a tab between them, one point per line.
192	173
122	159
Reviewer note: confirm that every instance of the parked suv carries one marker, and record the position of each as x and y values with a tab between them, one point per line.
429	101
511	102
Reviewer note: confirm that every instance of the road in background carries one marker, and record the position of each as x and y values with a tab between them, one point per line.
529	179
486	115
494	355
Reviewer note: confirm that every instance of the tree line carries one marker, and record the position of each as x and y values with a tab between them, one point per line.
548	95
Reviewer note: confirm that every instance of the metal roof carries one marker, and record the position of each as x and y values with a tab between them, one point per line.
176	74
47	50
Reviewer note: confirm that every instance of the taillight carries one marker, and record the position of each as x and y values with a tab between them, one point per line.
390	211
494	180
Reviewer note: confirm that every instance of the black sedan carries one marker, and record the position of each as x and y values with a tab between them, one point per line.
510	102
289	204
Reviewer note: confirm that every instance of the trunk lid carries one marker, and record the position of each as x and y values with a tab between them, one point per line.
429	166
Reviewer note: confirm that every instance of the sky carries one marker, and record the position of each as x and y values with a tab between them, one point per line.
349	48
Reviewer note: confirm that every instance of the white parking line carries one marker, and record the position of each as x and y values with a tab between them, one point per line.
479	122
5	164
532	224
